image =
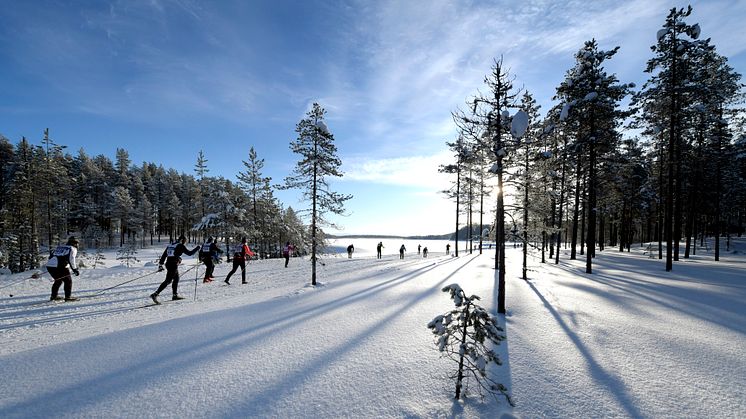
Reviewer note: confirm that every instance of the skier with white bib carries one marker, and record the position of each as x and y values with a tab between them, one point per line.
57	264
172	257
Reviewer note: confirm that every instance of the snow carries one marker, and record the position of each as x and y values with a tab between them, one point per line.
565	111
630	340
519	124
321	125
661	33
696	31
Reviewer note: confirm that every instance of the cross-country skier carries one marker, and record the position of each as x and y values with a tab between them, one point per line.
239	259
287	251
208	254
60	258
172	257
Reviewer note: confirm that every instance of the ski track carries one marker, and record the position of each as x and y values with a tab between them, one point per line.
630	340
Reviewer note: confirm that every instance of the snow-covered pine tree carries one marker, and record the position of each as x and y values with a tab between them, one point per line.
669	85
491	111
319	161
123	210
262	202
23	251
128	252
52	181
466	335
454	192
201	170
593	96
293	230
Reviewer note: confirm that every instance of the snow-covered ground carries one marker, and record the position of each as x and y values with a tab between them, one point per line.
629	340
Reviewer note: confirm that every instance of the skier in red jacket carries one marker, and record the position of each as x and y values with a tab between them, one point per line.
239	259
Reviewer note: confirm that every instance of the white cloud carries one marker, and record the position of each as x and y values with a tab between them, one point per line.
421	172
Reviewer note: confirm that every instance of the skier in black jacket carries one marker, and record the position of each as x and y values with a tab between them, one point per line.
208	254
172	257
60	258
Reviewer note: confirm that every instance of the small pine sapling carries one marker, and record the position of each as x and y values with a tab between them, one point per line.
128	253
463	335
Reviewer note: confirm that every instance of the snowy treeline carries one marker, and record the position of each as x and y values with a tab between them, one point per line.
609	165
46	194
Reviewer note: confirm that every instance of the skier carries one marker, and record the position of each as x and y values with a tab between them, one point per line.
208	254
424	252
350	249
60	258
448	249
286	251
172	257
418	249
402	249
239	259
379	247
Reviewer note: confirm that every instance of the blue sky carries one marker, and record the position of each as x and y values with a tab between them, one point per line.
165	79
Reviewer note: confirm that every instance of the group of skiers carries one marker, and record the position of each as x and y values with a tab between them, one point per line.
62	261
64	256
209	254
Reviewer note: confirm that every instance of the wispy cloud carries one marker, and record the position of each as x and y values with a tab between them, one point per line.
420	172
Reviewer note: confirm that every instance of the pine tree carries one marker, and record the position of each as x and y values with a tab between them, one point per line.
458	149
52	180
464	335
493	114
200	168
259	191
593	97
319	161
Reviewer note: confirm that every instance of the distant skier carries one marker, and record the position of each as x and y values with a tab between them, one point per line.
239	259
424	252
61	257
208	254
379	247
287	250
448	249
172	258
402	249
418	249
350	250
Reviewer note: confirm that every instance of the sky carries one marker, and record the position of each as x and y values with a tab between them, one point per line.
166	79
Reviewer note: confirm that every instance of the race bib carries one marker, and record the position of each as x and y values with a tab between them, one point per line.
61	251
171	250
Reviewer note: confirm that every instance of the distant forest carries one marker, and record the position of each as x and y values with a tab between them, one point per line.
47	194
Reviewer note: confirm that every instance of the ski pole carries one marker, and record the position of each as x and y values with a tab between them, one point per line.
196	276
117	285
18	281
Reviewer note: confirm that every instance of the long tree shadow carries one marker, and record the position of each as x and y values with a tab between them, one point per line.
149	365
721	303
724	310
599	375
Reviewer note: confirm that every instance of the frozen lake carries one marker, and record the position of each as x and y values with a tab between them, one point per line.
366	247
